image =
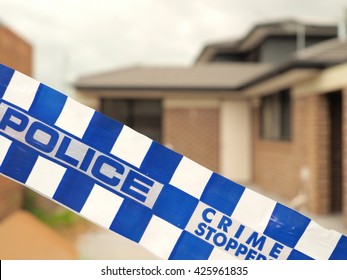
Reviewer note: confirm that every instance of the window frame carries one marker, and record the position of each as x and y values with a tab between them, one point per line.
276	116
131	115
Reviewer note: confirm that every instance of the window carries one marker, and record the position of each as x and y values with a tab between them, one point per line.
275	116
143	116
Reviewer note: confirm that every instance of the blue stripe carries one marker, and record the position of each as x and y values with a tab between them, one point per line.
160	163
190	247
340	252
297	255
175	206
47	105
19	162
286	225
131	220
6	74
74	189
222	194
102	132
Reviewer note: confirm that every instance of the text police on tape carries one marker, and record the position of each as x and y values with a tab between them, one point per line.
57	145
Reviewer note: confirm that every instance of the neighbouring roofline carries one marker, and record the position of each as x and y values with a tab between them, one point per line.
260	32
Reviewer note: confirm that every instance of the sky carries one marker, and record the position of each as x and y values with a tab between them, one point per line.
72	38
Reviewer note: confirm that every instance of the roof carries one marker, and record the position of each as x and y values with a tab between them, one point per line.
318	56
261	31
215	76
223	76
229	76
329	52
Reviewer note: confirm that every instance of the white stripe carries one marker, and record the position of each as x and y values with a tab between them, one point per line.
131	146
218	254
45	176
75	117
101	206
254	210
318	242
4	147
21	90
160	237
191	177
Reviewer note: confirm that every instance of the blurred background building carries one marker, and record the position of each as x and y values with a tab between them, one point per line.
266	109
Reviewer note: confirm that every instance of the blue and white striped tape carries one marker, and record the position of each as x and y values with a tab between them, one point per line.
124	181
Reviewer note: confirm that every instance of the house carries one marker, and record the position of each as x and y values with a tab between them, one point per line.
17	53
266	109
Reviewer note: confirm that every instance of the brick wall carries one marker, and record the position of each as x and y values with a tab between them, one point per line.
318	153
11	196
276	164
193	132
301	165
14	52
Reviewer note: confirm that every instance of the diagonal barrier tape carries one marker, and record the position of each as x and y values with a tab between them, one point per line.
135	187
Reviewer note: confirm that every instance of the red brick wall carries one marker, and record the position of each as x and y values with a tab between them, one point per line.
193	132
11	196
276	164
318	153
14	52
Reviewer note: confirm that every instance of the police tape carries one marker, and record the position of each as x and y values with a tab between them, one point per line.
138	188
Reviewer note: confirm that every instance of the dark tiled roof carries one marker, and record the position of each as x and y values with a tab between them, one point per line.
217	76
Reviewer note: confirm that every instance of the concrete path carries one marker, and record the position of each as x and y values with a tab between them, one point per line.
24	237
106	245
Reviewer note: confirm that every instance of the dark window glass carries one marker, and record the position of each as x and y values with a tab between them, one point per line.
275	116
143	116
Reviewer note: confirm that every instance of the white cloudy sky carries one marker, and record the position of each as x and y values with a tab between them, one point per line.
77	37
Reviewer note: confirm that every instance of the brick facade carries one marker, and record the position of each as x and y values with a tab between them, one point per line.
302	164
193	132
15	53
276	164
11	196
317	153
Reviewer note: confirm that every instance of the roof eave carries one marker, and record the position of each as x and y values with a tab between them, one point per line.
148	88
284	68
